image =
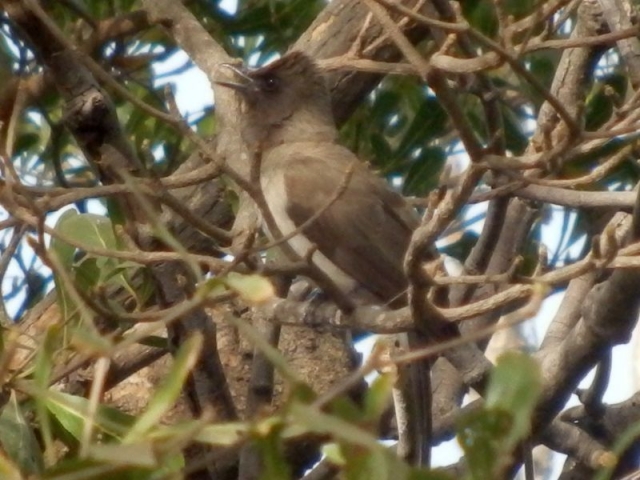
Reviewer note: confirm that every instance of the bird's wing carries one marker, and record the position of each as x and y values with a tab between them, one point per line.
365	232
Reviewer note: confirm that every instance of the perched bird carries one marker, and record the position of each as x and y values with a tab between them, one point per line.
361	238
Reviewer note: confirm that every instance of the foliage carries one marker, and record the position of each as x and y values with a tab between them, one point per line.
71	230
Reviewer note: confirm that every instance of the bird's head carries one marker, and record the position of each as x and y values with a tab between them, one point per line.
287	91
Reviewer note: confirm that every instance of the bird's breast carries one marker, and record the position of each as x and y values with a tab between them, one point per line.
278	199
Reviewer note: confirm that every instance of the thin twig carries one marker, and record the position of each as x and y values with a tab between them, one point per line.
95	67
7	256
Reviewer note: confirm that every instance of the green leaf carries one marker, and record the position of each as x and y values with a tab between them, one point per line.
488	436
376	464
87	469
18	440
87	340
515	387
481	15
542	65
480	435
424	172
385	102
88	270
602	101
515	139
131	454
42	375
88	229
169	391
274	464
334	454
224	434
364	455
71	411
346	409
378	396
428	123
64	252
319	422
88	273
251	288
381	148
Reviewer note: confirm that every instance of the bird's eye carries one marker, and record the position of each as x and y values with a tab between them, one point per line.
270	83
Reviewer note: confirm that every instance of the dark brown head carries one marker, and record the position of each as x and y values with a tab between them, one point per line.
288	91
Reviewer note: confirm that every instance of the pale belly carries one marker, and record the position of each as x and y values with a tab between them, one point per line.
273	189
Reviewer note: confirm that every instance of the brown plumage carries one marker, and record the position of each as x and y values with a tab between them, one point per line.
361	239
365	233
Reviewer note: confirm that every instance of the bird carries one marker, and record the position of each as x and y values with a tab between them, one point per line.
362	237
363	227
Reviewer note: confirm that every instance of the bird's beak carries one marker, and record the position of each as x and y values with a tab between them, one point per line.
239	87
